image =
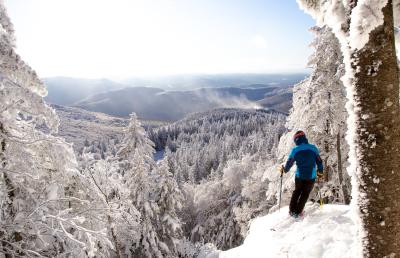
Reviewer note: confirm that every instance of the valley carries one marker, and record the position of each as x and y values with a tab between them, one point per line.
172	101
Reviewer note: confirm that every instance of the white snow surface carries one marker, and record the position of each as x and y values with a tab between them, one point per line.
327	232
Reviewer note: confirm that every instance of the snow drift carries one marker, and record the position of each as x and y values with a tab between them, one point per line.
324	232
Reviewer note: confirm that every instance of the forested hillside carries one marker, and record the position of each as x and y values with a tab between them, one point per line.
84	128
201	144
215	158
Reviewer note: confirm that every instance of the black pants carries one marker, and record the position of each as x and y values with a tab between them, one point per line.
300	195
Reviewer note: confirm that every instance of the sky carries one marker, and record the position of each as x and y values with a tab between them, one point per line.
131	38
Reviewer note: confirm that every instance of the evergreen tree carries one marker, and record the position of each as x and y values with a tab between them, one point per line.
365	30
136	163
319	109
109	195
41	199
170	204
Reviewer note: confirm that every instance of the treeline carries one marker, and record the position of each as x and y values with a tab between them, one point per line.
200	145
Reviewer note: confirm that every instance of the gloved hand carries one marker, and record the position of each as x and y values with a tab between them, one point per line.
281	170
320	176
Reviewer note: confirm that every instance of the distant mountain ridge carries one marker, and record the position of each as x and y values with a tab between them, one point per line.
157	104
171	98
67	91
237	80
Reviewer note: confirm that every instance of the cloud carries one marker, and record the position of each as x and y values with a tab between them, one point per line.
227	100
258	41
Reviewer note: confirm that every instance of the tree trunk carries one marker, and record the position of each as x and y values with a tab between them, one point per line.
345	193
327	169
377	142
10	192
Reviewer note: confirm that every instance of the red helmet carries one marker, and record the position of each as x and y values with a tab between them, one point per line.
299	138
298	134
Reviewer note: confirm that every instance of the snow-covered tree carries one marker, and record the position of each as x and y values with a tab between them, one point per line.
219	165
109	195
225	205
42	207
319	110
204	142
136	164
365	30
169	200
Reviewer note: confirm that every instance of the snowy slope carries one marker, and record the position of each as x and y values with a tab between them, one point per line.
324	232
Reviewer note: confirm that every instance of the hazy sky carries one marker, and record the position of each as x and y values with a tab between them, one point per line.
127	38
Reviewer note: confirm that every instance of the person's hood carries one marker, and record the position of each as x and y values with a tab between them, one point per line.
300	140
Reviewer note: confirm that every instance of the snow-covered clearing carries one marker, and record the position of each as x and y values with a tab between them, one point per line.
323	232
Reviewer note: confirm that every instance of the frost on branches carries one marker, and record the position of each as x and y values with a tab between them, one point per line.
319	110
138	199
43	210
219	160
111	199
365	31
152	191
170	199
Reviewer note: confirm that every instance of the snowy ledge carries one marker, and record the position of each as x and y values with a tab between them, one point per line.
327	232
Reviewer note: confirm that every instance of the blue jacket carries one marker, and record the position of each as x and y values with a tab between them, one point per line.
306	157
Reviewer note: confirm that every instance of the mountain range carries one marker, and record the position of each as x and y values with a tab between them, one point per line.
172	98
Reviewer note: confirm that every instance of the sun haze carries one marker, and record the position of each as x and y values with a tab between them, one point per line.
123	38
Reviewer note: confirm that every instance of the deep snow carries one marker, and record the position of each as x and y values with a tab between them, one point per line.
323	232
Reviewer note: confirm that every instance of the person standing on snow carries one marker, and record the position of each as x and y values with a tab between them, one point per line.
306	157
